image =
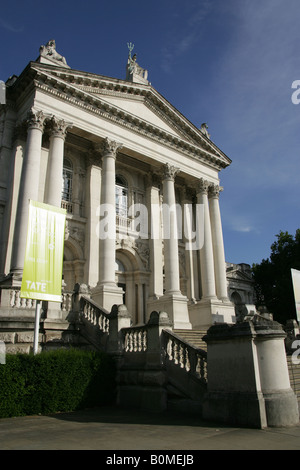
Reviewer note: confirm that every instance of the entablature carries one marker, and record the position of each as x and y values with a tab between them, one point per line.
87	92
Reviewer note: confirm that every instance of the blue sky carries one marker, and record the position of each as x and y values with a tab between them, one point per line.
230	63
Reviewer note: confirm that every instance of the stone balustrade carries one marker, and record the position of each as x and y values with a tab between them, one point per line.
185	356
136	339
94	314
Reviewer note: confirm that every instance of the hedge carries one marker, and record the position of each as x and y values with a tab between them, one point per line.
55	381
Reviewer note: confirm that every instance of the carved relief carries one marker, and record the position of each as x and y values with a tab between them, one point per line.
144	253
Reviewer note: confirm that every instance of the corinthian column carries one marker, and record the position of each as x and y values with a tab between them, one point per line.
53	188
206	251
29	186
172	302
107	293
217	240
170	231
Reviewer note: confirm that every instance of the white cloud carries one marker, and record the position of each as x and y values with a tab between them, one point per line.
10	27
183	34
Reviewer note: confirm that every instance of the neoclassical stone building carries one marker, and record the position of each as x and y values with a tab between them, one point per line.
139	182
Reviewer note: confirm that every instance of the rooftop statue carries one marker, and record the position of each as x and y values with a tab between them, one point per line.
204	129
49	52
134	72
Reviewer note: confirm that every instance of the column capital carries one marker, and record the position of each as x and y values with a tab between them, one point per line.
170	171
203	186
214	191
110	147
36	119
59	127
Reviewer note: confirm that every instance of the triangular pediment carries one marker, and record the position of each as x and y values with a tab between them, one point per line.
238	275
140	105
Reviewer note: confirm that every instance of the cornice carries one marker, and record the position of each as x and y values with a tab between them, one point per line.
75	88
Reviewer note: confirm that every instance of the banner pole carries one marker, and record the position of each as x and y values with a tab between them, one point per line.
36	326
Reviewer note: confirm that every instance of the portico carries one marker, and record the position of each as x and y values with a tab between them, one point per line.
99	132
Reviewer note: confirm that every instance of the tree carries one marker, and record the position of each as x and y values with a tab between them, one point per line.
272	277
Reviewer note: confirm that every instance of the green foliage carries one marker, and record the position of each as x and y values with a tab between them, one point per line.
273	281
56	381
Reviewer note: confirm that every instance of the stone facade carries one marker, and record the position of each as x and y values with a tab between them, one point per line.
114	153
241	289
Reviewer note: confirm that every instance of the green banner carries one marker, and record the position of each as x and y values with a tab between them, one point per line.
42	274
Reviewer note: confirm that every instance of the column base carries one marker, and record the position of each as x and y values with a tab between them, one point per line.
281	408
206	312
107	295
176	306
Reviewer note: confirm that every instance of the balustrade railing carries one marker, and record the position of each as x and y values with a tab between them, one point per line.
66	304
177	351
68	206
15	301
135	339
18	302
185	356
94	314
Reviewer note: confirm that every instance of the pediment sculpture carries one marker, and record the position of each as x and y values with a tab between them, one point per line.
49	52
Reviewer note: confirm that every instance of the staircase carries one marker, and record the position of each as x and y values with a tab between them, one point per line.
193	337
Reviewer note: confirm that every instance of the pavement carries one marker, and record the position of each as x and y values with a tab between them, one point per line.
113	430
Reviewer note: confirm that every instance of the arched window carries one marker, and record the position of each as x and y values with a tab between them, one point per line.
121	196
67	179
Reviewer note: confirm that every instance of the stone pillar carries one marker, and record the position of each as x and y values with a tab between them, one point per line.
107	293
280	401
29	187
206	251
170	227
53	190
217	242
93	192
8	154
155	240
53	187
172	302
189	240
248	381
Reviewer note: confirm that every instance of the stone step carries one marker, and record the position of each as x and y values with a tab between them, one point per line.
193	337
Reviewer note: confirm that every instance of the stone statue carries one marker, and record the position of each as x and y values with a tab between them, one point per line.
49	51
204	129
134	72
